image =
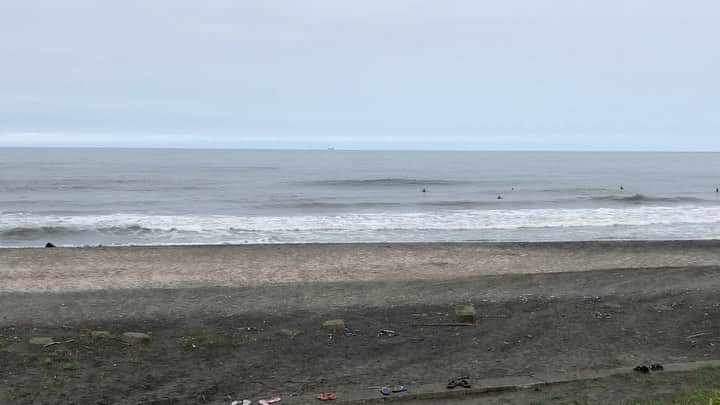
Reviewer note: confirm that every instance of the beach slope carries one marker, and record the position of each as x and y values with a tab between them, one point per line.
247	321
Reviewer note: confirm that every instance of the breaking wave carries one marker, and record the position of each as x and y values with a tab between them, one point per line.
27	230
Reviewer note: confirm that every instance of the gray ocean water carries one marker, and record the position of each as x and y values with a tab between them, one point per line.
81	197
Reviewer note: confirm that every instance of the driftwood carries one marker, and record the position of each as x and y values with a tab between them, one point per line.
59	343
697	335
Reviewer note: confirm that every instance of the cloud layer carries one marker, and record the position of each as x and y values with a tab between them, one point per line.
617	74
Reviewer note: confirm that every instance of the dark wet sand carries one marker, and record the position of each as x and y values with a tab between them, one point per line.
215	312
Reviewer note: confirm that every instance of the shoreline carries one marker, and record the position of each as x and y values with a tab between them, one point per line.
430	243
459	242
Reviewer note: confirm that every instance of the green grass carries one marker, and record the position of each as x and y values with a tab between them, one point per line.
24	360
704	398
697	387
87	339
60	358
699	397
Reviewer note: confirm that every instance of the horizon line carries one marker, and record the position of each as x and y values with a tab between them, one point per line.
333	149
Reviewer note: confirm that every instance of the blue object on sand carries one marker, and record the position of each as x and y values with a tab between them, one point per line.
385	391
400	388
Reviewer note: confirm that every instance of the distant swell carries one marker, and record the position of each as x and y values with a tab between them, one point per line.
457	204
641	198
385	182
331	205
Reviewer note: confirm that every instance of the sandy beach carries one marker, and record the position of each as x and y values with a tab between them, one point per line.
86	269
246	321
416	202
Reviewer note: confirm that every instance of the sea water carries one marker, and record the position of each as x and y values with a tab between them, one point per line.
78	197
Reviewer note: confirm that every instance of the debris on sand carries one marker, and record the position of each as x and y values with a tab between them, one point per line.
326	396
59	343
395	390
697	335
463	381
49	245
646	369
387	333
642	369
601	315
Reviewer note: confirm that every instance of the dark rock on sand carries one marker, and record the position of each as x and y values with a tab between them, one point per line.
465	313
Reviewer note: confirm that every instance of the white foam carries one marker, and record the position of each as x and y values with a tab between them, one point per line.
359	222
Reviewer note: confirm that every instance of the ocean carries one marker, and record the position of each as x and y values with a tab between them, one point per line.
79	197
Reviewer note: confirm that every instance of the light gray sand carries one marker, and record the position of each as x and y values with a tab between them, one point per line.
82	269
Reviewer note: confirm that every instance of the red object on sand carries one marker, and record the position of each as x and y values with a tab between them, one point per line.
326	396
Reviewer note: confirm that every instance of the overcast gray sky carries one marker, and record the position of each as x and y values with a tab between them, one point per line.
370	74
